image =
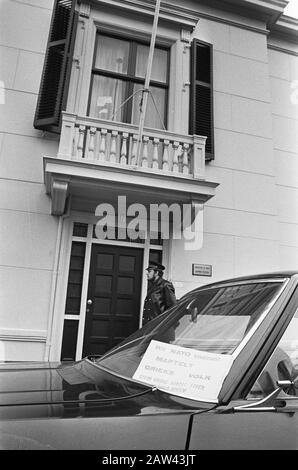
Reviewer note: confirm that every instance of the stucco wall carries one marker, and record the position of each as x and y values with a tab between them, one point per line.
283	68
240	222
27	230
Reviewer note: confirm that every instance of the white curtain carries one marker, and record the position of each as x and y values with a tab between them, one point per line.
159	63
112	54
106	98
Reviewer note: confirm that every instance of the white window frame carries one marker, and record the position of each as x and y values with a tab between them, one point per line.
177	38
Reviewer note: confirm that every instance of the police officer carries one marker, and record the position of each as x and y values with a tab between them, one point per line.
160	294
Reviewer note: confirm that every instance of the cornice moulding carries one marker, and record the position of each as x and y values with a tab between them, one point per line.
168	12
265	10
270	9
277	48
286	28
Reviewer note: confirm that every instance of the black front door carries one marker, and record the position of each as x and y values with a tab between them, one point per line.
114	292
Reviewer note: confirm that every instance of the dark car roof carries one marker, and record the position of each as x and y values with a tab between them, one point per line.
270	275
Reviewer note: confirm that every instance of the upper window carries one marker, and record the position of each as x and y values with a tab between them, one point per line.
118	76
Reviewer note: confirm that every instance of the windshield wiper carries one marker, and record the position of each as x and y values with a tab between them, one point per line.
93	357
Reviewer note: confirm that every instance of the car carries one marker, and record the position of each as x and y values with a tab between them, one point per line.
216	371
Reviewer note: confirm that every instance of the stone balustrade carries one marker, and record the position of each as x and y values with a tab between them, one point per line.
106	142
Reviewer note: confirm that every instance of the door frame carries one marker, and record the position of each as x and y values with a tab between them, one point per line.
63	269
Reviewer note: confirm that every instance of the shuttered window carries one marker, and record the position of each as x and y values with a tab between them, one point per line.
201	95
57	67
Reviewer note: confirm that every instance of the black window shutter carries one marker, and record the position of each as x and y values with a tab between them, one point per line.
57	67
201	94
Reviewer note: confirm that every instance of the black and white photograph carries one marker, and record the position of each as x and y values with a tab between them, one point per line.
148	230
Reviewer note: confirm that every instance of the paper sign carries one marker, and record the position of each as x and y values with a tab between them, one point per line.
182	371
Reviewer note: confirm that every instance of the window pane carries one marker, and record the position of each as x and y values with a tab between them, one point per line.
69	340
106	98
156	256
110	95
155	113
75	277
282	365
80	230
112	54
159	64
73	297
76	262
72	306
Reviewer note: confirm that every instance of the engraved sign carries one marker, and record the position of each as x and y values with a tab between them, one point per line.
202	270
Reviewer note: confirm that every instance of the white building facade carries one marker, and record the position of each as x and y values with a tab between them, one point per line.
220	136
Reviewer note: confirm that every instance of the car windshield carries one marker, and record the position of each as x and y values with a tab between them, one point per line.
211	322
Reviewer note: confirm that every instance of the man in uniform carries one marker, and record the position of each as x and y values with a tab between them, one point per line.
160	294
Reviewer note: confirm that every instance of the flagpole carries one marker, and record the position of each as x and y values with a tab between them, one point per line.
145	92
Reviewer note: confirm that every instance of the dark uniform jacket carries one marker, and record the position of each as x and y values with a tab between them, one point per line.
160	297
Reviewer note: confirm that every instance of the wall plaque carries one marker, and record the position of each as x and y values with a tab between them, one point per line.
202	270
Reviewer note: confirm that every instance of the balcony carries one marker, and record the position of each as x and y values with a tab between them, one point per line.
99	159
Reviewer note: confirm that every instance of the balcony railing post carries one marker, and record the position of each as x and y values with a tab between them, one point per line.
145	151
165	157
123	153
103	145
175	157
91	145
199	143
67	136
155	153
113	149
133	159
185	164
80	145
